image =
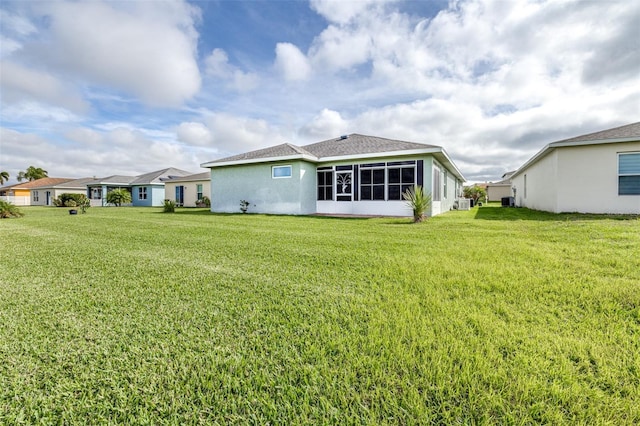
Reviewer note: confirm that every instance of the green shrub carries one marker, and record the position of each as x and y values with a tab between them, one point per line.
70	200
118	197
204	202
169	206
8	210
418	200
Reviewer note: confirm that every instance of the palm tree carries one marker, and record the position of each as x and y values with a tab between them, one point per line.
4	176
32	173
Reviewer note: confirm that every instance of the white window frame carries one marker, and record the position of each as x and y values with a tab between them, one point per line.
36	196
142	193
285	167
622	154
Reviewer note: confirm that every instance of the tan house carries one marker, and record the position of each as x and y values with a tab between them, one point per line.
44	194
186	191
29	193
496	191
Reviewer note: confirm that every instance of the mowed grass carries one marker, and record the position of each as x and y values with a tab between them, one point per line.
496	315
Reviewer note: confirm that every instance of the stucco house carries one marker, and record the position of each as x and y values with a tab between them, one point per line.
496	191
593	173
187	190
353	174
146	189
46	192
29	193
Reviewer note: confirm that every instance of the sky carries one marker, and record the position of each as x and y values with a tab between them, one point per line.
97	88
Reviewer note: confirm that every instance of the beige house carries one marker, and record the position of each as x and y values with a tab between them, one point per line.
594	173
45	193
33	193
186	191
496	191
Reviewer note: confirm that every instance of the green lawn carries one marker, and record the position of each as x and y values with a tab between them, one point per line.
496	315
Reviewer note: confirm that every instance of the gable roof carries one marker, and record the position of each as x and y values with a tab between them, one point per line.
68	184
38	183
112	180
157	176
188	178
626	133
353	146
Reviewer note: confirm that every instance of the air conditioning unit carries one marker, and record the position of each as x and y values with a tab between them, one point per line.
464	204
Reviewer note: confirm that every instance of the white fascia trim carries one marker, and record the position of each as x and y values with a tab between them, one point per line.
551	146
303	157
380	155
453	166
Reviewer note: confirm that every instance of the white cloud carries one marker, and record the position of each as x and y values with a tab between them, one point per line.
234	134
194	134
325	125
292	62
20	84
147	49
342	12
217	65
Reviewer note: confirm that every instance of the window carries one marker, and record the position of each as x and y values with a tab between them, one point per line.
199	191
629	173
400	180
36	196
278	172
96	193
142	193
525	185
325	184
436	184
344	185
446	176
372	182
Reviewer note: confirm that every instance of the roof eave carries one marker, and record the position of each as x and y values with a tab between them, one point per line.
303	157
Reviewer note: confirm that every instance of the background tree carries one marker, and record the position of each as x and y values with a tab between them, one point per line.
477	193
32	173
119	197
4	176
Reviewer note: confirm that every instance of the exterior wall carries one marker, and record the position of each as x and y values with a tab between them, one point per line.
540	191
54	193
580	179
495	192
588	179
190	191
294	195
298	194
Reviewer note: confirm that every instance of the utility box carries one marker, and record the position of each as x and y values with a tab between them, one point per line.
508	202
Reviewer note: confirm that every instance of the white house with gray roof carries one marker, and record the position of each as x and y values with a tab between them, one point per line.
593	173
352	175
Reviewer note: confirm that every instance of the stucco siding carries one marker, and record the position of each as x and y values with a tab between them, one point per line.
265	194
588	179
190	191
536	186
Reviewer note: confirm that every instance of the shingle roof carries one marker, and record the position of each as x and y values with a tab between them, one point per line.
112	180
48	181
354	144
71	184
155	177
623	132
188	178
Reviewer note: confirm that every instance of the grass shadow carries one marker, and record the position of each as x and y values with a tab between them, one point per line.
497	212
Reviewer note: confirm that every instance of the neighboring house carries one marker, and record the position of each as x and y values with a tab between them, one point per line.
354	175
187	190
496	191
29	193
45	193
146	190
97	189
594	173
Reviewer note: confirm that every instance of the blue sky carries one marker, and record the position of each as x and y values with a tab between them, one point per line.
96	88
